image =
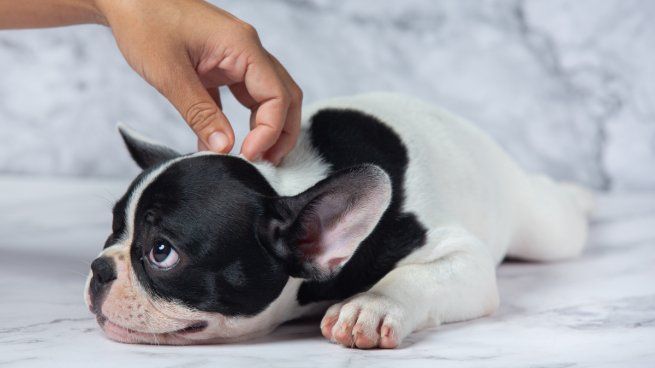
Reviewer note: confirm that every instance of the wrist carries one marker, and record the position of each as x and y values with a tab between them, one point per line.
20	14
102	10
115	11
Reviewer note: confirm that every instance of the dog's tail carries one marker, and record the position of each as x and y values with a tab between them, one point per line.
555	221
582	197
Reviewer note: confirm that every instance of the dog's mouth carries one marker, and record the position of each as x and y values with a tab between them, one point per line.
177	337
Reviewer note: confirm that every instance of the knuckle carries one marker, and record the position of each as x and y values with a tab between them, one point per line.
200	115
284	97
297	94
293	131
249	30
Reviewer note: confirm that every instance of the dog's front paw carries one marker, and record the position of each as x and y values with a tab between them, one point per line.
366	321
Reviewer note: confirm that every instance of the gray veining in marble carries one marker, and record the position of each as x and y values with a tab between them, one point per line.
597	311
568	87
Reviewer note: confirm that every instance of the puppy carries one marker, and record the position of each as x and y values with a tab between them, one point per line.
388	216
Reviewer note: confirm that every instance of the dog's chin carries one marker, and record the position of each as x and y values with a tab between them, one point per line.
189	335
194	334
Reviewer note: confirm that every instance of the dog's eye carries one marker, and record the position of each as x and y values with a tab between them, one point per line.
163	255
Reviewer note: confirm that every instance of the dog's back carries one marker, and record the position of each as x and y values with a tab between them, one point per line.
454	174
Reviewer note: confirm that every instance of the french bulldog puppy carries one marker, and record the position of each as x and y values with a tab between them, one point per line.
389	216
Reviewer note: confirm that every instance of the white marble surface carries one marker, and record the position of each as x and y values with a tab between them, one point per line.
566	86
597	311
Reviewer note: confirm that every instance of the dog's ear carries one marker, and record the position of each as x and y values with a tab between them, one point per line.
145	152
317	231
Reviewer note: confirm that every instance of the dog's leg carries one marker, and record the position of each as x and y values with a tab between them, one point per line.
459	285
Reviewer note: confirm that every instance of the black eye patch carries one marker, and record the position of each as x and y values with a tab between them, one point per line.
207	207
234	275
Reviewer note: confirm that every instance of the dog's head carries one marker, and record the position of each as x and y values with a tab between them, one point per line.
202	248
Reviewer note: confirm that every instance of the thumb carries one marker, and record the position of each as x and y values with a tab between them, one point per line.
200	110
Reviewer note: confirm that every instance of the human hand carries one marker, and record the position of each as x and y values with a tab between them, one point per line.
186	49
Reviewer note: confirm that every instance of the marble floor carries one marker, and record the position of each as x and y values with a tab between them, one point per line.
597	311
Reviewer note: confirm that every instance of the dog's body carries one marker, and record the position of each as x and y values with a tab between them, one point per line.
394	210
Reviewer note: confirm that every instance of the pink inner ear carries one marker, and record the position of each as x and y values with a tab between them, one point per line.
337	242
309	248
309	244
339	219
335	262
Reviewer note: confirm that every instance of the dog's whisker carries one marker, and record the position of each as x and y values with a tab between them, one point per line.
84	261
107	196
78	273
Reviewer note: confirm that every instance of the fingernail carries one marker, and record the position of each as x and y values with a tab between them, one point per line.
218	141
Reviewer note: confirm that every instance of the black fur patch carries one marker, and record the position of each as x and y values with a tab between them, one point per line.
346	138
205	206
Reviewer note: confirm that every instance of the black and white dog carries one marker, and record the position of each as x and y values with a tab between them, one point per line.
392	213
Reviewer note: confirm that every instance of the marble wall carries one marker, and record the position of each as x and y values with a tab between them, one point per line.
567	87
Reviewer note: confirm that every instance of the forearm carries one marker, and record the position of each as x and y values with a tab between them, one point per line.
47	13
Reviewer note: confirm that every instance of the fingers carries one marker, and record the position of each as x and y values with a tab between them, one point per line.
216	96
289	135
270	111
275	105
200	107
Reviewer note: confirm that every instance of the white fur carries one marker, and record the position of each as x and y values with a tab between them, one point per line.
301	169
478	205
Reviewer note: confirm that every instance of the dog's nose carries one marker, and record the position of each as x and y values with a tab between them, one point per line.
103	270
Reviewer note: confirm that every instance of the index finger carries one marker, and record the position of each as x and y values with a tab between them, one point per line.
272	101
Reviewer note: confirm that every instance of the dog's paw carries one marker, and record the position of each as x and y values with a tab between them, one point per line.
366	321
